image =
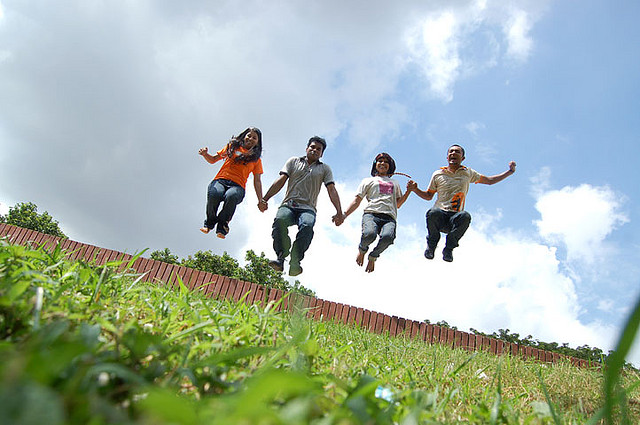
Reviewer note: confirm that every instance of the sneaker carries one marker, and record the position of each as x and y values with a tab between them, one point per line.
205	230
221	235
277	265
295	269
447	255
429	253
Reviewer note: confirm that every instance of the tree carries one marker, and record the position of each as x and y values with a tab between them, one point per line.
257	269
25	214
207	261
165	256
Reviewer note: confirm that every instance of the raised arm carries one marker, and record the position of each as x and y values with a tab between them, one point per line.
499	177
401	199
335	200
211	159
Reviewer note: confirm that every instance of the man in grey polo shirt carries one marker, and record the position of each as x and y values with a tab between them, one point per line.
306	175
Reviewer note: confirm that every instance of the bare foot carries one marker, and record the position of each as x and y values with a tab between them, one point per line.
360	258
370	265
204	230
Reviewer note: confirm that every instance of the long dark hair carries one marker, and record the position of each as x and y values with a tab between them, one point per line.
390	161
254	153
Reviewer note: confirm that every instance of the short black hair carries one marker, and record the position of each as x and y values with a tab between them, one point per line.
320	140
390	161
457	146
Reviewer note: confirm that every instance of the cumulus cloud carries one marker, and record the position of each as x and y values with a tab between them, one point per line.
580	218
517	28
499	278
459	41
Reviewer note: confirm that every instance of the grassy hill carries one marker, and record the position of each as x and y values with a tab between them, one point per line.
81	343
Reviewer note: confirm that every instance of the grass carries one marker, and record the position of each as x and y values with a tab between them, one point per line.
81	343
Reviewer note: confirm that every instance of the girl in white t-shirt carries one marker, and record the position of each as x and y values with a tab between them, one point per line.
384	197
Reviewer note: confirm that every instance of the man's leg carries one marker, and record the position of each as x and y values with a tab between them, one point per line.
459	224
280	234
232	197
436	221
306	221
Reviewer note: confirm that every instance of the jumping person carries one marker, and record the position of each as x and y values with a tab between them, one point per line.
241	157
305	177
448	214
384	197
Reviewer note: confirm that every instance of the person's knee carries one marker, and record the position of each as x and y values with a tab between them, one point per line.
463	218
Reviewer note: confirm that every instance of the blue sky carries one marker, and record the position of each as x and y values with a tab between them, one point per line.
103	106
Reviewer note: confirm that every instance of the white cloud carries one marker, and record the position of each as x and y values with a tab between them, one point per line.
499	279
459	41
474	127
580	218
517	30
434	44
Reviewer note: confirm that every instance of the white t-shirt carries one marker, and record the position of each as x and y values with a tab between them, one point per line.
382	194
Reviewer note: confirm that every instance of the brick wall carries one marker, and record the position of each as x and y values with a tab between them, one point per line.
222	287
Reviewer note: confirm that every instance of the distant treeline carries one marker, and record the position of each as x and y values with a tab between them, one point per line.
584	352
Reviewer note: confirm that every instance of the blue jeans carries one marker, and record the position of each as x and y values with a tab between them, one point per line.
287	216
454	224
374	225
222	191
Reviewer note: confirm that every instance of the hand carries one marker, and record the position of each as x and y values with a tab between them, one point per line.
263	205
512	166
203	151
411	185
338	219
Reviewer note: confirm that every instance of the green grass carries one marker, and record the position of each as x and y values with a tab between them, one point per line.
86	344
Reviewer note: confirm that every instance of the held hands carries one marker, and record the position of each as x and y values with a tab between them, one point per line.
512	166
263	205
411	185
338	219
203	151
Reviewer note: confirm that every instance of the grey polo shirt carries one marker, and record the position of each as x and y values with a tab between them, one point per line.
305	182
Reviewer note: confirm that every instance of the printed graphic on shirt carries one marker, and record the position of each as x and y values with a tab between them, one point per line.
385	188
457	202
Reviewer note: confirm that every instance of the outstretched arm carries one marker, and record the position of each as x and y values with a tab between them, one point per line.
211	159
335	200
499	177
413	187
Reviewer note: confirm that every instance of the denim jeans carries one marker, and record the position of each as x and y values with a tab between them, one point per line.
454	224
222	191
287	216
374	225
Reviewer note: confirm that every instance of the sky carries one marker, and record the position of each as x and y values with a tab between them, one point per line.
104	105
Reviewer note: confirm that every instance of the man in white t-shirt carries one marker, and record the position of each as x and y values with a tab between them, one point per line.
451	183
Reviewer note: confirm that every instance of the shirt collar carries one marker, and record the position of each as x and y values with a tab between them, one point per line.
304	159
